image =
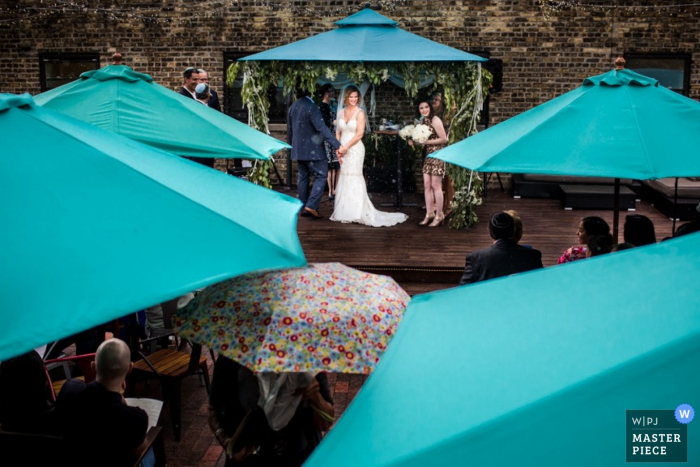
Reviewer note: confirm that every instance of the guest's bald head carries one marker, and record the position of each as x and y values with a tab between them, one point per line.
112	361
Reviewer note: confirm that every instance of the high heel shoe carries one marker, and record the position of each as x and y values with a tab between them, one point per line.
439	219
428	219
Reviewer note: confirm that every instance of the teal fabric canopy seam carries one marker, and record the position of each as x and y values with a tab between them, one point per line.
647	158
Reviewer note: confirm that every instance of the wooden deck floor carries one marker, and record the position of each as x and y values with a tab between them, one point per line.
547	227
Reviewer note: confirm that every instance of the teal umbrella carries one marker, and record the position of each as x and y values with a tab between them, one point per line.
98	226
619	124
366	36
118	99
536	369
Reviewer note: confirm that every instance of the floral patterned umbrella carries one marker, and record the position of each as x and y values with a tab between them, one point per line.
323	317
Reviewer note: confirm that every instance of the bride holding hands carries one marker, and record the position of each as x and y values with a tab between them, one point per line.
351	201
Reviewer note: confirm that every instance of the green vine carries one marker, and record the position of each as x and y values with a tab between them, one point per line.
465	85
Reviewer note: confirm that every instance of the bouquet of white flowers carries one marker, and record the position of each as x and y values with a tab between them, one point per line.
418	133
405	132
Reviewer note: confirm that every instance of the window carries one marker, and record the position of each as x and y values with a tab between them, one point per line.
279	105
672	70
57	69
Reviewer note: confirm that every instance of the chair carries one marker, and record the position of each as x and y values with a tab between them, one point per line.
169	308
36	449
64	365
170	367
83	362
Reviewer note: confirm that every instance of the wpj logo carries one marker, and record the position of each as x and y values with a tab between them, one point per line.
658	435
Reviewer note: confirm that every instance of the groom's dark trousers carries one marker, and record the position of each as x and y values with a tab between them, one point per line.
306	132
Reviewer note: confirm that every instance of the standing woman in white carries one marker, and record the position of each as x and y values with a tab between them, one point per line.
351	201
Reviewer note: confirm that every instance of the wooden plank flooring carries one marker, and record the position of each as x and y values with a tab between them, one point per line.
547	227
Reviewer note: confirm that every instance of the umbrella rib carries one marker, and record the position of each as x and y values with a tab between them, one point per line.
539	124
650	167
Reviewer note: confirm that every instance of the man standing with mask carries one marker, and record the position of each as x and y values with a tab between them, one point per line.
214	97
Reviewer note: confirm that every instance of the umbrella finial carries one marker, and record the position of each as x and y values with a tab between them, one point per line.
620	62
117	58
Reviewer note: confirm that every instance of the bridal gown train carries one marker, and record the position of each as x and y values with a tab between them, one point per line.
351	201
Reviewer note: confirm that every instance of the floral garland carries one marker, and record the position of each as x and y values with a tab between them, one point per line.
465	86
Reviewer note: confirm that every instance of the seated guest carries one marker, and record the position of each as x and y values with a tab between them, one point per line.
599	245
687	228
622	246
24	396
242	428
202	93
639	230
592	225
503	258
96	414
517	225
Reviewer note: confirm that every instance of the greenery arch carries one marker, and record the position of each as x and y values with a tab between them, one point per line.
465	86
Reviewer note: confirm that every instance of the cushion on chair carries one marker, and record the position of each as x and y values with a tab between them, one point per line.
687	188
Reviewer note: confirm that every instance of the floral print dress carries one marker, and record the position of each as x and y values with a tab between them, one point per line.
432	166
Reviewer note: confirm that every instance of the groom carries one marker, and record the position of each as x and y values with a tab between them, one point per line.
306	132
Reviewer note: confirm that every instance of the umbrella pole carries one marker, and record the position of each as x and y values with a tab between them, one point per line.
675	202
616	210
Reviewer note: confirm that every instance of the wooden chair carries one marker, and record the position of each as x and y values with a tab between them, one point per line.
83	362
170	367
34	449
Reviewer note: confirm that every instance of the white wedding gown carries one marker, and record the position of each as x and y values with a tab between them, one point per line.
351	201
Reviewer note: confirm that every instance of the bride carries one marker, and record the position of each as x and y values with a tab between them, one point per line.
351	201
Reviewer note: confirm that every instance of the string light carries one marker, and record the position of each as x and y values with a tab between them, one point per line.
184	13
555	7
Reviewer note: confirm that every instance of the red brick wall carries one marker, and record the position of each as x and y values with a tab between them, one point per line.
542	58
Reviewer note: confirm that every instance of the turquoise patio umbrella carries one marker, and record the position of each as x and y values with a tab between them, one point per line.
97	226
366	36
118	99
619	124
536	369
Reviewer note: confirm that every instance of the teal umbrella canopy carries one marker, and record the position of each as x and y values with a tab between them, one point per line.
118	99
98	226
518	371
620	124
366	36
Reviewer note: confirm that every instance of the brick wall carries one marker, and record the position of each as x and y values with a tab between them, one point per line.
542	58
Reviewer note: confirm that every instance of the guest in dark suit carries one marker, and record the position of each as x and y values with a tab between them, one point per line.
97	415
306	132
503	258
213	101
191	80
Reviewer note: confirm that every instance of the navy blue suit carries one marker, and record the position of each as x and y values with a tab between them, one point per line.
306	132
214	100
